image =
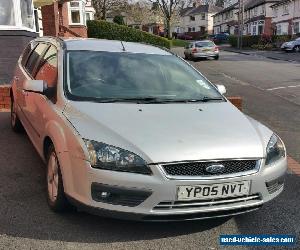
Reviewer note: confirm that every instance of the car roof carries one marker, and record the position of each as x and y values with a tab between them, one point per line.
92	44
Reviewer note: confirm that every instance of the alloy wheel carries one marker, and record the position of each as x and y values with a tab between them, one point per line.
52	177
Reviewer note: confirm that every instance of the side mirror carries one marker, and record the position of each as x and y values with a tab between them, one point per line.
221	89
36	86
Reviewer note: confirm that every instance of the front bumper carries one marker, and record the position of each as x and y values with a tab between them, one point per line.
286	48
159	189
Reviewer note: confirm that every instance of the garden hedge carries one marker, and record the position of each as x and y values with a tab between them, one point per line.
112	31
249	41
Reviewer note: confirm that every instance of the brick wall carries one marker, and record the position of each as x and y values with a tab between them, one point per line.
50	19
56	22
4	97
268	30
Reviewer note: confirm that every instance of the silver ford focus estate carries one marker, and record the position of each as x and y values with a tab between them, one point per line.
133	131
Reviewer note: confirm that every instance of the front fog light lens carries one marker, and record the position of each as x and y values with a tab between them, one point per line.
108	157
275	149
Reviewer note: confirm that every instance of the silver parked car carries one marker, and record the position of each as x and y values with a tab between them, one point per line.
201	49
293	45
133	131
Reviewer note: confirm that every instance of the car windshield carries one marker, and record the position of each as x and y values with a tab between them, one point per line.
105	76
204	44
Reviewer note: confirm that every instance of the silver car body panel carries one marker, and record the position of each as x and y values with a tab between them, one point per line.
159	133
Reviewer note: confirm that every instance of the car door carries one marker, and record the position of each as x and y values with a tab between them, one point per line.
42	107
19	76
25	103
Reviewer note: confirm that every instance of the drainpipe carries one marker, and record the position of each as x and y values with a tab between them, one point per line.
60	21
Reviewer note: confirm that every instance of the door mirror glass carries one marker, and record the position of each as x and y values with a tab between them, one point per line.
221	89
36	86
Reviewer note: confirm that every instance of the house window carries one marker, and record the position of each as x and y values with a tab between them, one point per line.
254	28
263	10
260	27
17	14
193	29
296	27
89	16
192	18
219	18
7	15
255	11
285	10
189	29
27	13
76	10
203	16
275	12
278	29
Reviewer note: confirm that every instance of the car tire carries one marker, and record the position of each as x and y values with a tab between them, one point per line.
56	197
216	57
15	122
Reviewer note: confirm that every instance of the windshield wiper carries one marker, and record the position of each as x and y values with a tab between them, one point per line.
132	99
151	99
207	99
204	99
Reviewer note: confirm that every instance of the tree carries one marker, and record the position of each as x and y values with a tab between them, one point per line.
168	8
142	13
119	20
103	6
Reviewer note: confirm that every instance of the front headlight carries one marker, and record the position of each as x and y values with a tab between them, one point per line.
275	149
108	157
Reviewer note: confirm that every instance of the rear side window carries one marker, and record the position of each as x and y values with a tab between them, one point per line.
34	57
204	44
47	68
26	53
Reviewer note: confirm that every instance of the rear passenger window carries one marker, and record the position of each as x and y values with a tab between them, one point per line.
26	53
34	57
47	68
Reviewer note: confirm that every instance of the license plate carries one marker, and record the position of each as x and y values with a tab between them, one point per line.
220	190
206	50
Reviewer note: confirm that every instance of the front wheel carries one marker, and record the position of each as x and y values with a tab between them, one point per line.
15	122
216	57
57	200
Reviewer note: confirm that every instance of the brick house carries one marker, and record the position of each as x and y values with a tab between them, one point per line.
24	20
197	20
226	20
258	17
286	17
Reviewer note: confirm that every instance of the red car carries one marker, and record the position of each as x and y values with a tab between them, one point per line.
184	36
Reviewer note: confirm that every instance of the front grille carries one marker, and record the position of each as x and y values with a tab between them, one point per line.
167	205
199	168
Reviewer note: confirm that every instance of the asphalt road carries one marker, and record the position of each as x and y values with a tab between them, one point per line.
27	223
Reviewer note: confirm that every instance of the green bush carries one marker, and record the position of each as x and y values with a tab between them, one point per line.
179	43
118	20
268	46
268	42
248	41
112	31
